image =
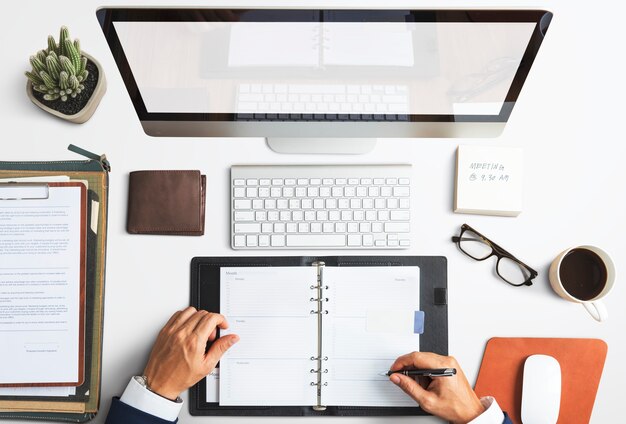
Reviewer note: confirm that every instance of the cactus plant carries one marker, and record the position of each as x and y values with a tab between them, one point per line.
60	70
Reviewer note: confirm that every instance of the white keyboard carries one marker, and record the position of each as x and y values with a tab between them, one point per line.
316	100
321	207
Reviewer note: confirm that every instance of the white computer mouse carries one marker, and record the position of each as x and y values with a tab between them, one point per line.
541	390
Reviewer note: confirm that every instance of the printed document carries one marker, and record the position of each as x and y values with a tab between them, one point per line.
40	286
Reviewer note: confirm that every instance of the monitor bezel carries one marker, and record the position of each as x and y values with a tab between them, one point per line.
108	15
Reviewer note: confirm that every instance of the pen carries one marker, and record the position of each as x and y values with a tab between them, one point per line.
437	372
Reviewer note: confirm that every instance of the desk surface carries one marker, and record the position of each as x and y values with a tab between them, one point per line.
569	120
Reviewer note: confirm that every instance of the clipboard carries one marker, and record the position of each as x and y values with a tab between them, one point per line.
17	191
205	294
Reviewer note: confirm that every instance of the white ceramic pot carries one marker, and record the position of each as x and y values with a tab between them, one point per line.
85	113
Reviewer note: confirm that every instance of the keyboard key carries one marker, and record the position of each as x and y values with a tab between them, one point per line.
243	204
354	240
239	182
316	240
401	191
400	215
264	240
278	240
240	241
252	182
397	227
244	216
404	181
239	192
247	228
251	241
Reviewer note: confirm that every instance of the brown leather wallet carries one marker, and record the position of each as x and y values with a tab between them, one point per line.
166	203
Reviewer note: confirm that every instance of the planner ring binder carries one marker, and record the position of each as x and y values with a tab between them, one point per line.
319	359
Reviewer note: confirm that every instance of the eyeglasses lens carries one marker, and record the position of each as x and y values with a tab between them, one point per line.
474	245
512	271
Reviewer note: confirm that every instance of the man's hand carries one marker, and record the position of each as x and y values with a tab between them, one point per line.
450	398
178	359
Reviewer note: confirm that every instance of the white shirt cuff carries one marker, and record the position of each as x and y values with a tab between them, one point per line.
143	399
492	415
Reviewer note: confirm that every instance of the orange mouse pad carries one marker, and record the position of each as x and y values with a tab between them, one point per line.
581	360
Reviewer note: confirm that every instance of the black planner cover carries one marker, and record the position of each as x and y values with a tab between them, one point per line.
205	294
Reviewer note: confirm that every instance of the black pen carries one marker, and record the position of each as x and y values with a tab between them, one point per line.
437	372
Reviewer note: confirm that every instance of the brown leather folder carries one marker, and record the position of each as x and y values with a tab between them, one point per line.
581	360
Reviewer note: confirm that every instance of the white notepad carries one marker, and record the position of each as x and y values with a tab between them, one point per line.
489	180
289	355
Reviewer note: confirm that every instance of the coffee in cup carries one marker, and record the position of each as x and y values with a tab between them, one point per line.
584	274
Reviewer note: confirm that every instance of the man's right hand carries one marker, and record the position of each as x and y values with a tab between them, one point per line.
450	398
178	359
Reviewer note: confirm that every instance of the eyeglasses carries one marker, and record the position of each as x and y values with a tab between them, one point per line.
508	267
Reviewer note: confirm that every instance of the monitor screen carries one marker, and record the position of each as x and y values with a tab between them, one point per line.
324	65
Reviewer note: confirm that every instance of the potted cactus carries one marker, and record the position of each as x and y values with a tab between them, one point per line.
65	81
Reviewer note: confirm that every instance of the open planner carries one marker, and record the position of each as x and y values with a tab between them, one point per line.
317	333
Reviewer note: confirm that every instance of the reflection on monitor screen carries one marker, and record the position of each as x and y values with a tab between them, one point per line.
347	69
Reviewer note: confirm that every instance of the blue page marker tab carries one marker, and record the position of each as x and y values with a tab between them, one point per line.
418	322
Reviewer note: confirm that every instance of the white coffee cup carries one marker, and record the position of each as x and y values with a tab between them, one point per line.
594	306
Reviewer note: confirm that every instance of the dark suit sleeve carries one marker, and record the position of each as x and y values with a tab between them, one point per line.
120	413
507	420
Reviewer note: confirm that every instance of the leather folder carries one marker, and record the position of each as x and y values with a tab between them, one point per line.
84	405
581	361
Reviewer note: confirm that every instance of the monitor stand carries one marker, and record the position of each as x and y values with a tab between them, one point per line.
341	146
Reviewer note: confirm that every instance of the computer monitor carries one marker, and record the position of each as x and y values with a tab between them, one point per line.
323	81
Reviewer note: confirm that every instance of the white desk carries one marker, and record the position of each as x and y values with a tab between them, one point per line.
569	120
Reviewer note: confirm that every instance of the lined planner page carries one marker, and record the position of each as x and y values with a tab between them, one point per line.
370	322
270	310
